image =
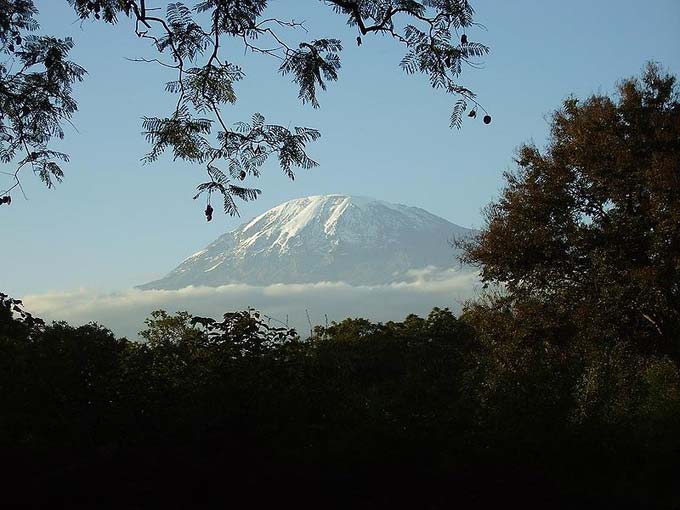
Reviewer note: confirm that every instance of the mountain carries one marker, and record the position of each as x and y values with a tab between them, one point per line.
356	240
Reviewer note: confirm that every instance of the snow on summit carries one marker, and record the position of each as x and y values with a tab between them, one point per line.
356	240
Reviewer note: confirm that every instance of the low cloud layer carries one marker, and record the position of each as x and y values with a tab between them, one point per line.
124	312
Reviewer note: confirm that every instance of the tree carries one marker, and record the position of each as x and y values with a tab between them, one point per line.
165	329
590	224
36	80
35	96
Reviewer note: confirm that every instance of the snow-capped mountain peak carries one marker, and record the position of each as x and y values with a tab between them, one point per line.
353	239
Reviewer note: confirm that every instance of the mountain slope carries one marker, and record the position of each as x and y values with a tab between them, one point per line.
351	239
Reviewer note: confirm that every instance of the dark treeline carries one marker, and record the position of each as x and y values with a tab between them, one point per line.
559	389
424	413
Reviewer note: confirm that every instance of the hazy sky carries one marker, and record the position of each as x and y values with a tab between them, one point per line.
115	223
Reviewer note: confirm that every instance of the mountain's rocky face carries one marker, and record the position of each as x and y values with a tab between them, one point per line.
355	240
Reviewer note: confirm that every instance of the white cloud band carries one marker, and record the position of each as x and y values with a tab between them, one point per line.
124	312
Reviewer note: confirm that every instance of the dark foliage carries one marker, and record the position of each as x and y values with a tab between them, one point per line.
424	413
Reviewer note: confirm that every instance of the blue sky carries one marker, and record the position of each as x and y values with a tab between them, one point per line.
114	222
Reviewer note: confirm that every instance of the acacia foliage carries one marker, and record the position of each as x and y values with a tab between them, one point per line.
191	39
36	94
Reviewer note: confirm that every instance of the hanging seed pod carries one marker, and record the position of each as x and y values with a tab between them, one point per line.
487	119
208	212
472	114
242	175
463	39
358	41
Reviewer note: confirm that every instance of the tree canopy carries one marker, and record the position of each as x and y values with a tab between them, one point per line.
36	78
590	223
